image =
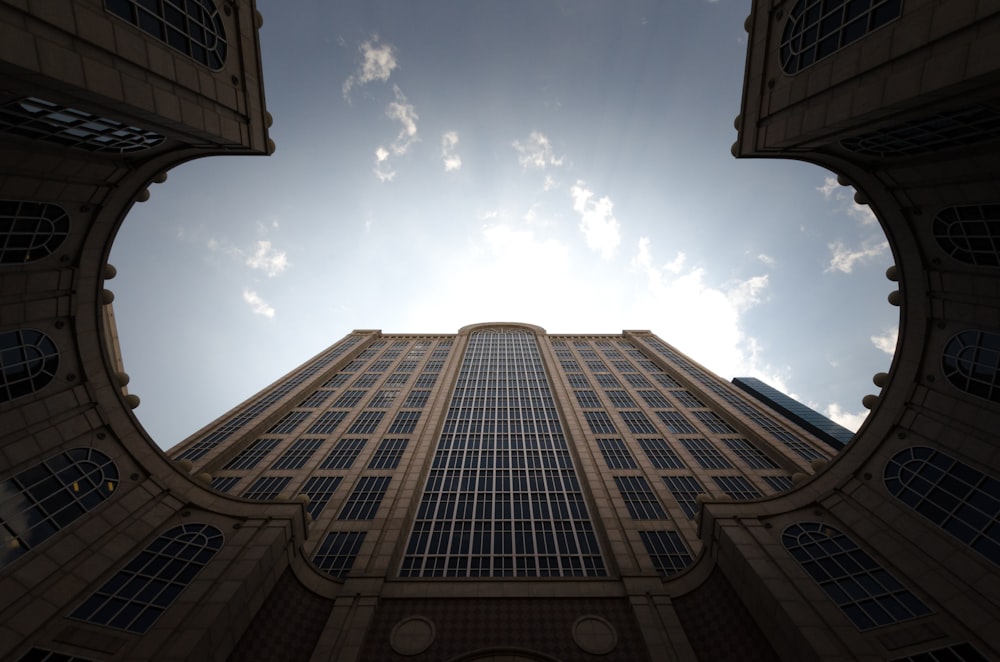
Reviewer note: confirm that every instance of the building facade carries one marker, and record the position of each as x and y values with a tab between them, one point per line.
114	550
833	434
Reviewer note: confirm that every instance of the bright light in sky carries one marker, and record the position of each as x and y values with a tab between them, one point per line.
439	164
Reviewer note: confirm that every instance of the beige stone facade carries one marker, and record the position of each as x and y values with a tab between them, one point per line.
114	550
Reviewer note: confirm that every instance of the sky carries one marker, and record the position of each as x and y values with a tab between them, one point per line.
564	163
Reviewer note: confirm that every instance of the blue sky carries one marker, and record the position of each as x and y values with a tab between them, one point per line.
562	163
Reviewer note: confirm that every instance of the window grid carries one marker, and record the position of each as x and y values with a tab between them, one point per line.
267	488
676	423
578	381
399	379
588	399
624	366
599	422
660	454
665	380
379	366
388	454
30	231
51	495
752	456
384	399
348	399
666	550
337	553
405	422
621	399
193	28
502	497
687	399
416	399
945	130
343	454
315	400
779	483
963	652
616	454
288	424
424	380
960	499
685	490
137	594
224	483
596	366
637	380
816	29
366	422
339	379
971	362
406	366
655	399
637	422
867	593
607	381
366	498
737	487
250	457
28	362
639	498
715	424
320	489
366	380
327	422
968	233
706	454
297	454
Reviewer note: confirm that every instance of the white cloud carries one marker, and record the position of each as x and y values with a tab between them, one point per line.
377	62
549	183
452	161
850	421
267	259
536	152
887	341
403	112
597	220
843	257
258	305
384	172
767	259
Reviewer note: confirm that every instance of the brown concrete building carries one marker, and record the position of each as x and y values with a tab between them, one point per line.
114	550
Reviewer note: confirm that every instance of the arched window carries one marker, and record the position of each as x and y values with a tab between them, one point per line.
863	589
50	495
970	233
39	119
30	231
971	362
818	28
962	500
138	593
28	361
193	27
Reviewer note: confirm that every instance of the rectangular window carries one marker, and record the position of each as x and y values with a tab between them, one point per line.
343	454
687	399
620	399
649	366
660	454
367	354
434	366
607	381
655	399
384	399
398	379
714	423
416	399
599	422
366	422
391	353
578	381
366	380
564	354
612	353
588	399
750	454
639	499
338	552
405	423
401	343
707	455
406	366
597	366
778	483
637	422
665	380
337	380
685	490
666	551
297	454
224	483
388	454
316	399
440	353
288	424
570	366
327	422
249	457
425	381
348	399
737	487
623	366
380	366
588	354
267	488
676	423
366	497
637	380
353	366
319	489
799	447
581	343
616	454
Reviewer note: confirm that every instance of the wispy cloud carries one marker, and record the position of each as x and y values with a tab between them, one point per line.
843	258
403	112
887	341
837	414
832	190
258	305
767	259
452	161
536	152
597	220
267	259
384	171
377	62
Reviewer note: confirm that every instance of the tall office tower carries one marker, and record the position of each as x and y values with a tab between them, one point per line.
501	451
834	434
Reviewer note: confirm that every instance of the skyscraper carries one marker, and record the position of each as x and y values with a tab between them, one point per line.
834	434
